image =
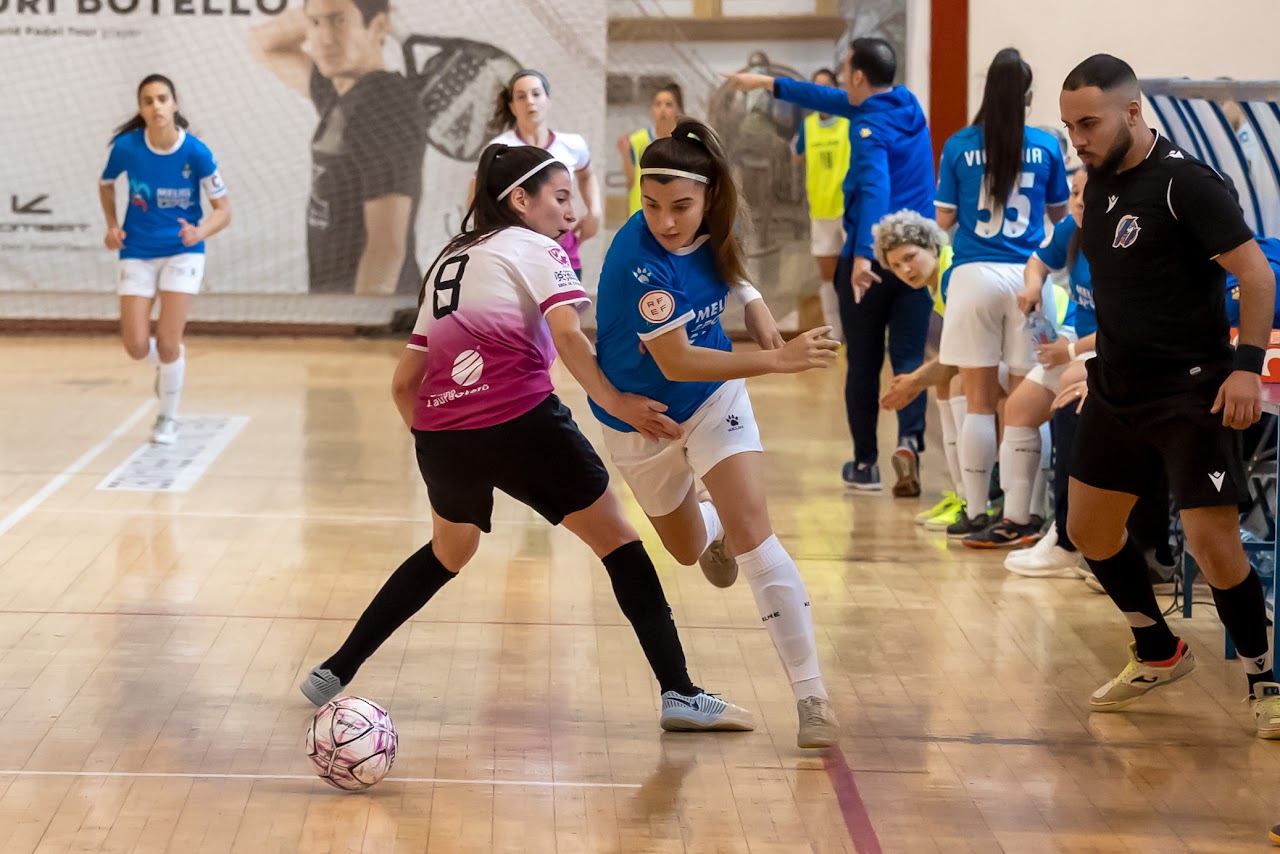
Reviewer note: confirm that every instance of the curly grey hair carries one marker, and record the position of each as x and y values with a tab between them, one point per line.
903	228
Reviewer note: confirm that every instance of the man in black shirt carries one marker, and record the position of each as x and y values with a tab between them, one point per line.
366	153
1166	390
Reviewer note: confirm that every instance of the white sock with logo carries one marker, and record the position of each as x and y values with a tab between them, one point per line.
977	456
950	436
783	602
1019	465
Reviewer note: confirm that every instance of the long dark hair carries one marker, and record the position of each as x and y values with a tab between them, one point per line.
1003	116
500	166
137	122
694	147
676	93
503	119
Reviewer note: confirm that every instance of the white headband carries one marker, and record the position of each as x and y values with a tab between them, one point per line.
526	176
676	173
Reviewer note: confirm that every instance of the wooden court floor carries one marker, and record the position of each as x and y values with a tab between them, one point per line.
151	645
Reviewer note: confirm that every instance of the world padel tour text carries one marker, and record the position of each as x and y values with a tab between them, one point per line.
144	7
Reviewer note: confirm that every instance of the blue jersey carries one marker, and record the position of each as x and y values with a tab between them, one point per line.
1270	247
1010	230
1054	255
164	187
645	292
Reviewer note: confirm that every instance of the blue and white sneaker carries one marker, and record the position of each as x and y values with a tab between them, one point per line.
864	477
703	713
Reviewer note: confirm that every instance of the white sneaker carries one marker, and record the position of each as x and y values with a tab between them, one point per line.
165	430
1139	677
1045	559
703	713
1266	709
818	726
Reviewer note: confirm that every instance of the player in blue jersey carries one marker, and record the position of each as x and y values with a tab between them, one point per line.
667	278
161	245
997	179
1029	408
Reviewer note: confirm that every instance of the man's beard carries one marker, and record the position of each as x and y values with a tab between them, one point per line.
1120	149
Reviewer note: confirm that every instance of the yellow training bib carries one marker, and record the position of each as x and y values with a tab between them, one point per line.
640	140
826	160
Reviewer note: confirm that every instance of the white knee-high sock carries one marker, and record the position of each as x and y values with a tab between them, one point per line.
1040	486
780	595
153	356
171	379
977	456
711	522
1019	466
950	436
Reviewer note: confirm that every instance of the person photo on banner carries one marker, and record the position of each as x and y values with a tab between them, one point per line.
367	151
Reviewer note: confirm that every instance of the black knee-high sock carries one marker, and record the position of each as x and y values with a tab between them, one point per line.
405	592
1124	577
1243	611
639	595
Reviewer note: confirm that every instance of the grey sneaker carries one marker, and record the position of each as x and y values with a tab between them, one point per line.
321	686
703	713
818	726
1266	709
720	567
1139	677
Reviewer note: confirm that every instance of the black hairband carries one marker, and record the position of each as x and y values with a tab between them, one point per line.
529	72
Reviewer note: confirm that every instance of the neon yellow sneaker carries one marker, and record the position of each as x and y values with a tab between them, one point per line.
949	516
949	499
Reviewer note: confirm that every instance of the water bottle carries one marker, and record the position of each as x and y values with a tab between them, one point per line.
1041	329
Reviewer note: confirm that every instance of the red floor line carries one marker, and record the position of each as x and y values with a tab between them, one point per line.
856	819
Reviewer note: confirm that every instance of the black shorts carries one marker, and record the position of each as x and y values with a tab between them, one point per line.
1124	449
540	459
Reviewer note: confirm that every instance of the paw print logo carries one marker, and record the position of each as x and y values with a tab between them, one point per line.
642	275
734	423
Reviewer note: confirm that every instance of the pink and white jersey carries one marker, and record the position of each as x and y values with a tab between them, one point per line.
571	150
490	350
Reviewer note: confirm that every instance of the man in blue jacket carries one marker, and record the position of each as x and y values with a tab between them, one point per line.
891	168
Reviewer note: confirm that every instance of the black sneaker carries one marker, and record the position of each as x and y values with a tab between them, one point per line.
967	526
864	477
1004	535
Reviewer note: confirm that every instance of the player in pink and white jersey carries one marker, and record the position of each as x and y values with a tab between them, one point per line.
474	386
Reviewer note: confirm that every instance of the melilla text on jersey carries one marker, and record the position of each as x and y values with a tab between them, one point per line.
706	318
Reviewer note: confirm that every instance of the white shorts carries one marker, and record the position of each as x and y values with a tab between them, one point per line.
142	277
1051	378
984	325
660	474
826	237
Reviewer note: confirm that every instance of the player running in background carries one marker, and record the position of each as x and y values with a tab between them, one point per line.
161	245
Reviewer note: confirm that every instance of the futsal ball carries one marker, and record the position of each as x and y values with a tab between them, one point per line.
467	368
352	743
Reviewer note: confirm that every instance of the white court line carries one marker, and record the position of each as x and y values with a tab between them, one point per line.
70	471
556	784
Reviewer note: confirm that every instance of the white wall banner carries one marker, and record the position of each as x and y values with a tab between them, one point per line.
346	133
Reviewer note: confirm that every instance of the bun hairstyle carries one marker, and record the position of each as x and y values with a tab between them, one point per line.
695	148
503	118
503	168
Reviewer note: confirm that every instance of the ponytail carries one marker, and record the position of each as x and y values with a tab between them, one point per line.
694	147
1003	117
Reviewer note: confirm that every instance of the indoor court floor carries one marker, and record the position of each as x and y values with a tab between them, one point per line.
151	644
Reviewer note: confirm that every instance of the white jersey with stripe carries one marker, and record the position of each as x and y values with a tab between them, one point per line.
482	323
